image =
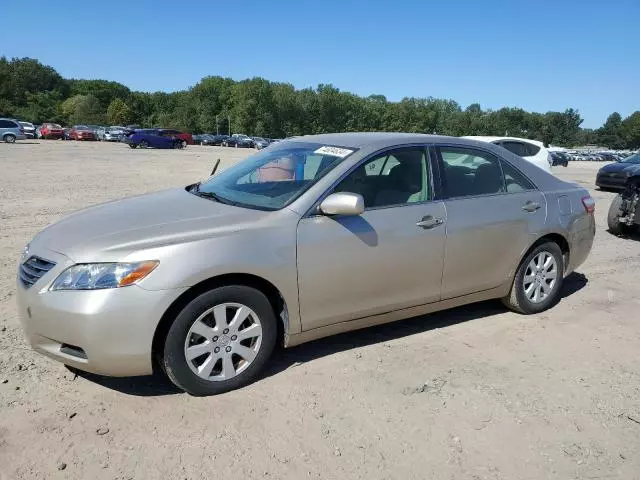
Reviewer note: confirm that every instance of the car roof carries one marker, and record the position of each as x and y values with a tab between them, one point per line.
490	139
377	139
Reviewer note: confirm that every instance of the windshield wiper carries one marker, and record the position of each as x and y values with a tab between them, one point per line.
212	196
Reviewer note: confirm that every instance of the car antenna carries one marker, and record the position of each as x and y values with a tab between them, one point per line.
215	167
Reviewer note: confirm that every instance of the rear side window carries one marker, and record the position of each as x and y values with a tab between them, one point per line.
514	180
521	149
469	172
7	124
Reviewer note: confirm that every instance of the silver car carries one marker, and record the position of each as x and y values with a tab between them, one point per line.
311	237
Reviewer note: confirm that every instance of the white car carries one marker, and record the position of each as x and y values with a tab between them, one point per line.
531	150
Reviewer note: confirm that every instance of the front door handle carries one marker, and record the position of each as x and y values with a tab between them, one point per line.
531	206
429	222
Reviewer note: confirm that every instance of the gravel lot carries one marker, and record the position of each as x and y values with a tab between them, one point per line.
472	393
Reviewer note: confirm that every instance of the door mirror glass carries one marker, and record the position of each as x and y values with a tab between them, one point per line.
343	203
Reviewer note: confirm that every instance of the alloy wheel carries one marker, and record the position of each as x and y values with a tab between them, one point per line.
223	342
540	277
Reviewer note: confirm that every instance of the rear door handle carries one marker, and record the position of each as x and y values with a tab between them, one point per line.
429	222
531	206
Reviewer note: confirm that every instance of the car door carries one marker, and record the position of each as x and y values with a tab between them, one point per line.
388	258
493	213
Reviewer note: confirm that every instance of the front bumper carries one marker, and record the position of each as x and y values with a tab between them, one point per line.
609	181
107	332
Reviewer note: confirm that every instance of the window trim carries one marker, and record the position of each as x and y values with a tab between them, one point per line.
437	148
314	210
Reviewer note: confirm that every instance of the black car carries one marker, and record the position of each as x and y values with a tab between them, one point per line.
205	139
615	175
242	141
559	158
229	142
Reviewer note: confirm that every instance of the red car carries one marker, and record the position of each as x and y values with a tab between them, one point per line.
187	138
51	130
82	132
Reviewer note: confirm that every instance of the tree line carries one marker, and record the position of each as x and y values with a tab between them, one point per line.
35	92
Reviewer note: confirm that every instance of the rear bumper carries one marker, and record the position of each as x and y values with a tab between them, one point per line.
107	332
583	232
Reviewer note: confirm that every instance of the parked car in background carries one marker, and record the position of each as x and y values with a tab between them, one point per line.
531	150
623	217
559	158
204	139
260	143
187	138
114	133
11	130
29	129
228	142
51	131
82	132
242	141
152	137
357	229
95	129
614	176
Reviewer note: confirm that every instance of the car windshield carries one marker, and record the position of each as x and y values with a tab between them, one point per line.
632	159
53	125
275	177
81	127
259	139
26	124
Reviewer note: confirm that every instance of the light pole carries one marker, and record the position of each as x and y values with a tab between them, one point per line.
217	133
229	125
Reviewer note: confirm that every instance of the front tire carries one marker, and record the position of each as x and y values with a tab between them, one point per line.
613	219
220	341
538	280
132	145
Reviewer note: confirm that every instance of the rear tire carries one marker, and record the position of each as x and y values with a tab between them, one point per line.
522	297
10	138
616	227
199	320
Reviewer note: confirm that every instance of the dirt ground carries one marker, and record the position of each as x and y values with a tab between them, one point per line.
472	393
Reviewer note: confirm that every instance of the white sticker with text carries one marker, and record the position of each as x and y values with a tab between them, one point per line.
333	151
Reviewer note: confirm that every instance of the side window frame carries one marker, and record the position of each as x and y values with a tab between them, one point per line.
432	170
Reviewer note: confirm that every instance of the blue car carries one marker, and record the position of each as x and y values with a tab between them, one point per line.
152	137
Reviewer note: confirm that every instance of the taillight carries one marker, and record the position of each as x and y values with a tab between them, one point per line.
589	204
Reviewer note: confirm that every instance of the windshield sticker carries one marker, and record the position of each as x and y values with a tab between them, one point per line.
333	151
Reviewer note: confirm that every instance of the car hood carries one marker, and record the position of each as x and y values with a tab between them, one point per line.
620	167
110	231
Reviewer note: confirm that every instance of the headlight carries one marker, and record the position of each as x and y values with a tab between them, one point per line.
25	254
96	276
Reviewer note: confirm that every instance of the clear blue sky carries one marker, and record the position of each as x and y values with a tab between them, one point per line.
539	55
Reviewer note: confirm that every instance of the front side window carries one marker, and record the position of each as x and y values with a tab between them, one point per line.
274	177
469	172
395	177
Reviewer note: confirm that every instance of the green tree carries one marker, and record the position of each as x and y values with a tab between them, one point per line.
83	109
119	112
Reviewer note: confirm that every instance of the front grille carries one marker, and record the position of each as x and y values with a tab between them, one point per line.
34	268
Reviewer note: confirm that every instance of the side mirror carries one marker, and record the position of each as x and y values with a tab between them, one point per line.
343	203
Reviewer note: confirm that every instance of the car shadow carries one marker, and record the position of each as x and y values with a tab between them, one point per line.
26	142
627	236
159	385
